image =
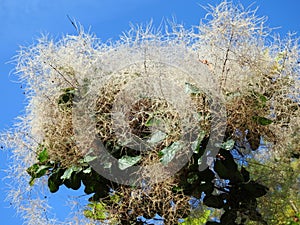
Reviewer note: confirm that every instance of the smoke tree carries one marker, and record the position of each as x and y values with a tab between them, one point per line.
254	77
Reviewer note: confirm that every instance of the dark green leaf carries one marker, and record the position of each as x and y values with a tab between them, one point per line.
214	201
228	218
245	174
227	172
53	185
206	175
74	182
222	171
256	190
207	188
152	122
262	120
228	160
54	181
192	178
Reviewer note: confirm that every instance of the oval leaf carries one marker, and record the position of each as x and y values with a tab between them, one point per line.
169	152
214	201
128	161
157	137
43	156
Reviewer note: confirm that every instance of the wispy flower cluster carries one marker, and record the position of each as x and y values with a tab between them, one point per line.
257	75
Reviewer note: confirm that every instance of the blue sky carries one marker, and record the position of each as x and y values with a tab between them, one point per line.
22	21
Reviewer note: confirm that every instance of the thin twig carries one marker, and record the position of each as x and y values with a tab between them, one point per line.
60	74
73	23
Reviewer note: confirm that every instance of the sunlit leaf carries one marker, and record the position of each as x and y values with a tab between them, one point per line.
74	182
67	174
169	152
157	137
128	161
197	144
191	89
228	145
37	171
152	122
43	156
89	158
87	170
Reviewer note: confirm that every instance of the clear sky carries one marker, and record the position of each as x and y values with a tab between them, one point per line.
22	21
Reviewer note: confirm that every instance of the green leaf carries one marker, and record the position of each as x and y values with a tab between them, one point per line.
228	145
157	137
207	188
256	190
67	174
32	170
43	156
245	174
207	175
54	180
128	161
192	178
214	201
37	171
169	152
200	217
197	144
222	171
228	160
152	122
227	167
115	198
53	184
42	170
228	218
89	158
87	170
191	89
263	99
96	211
262	120
74	182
